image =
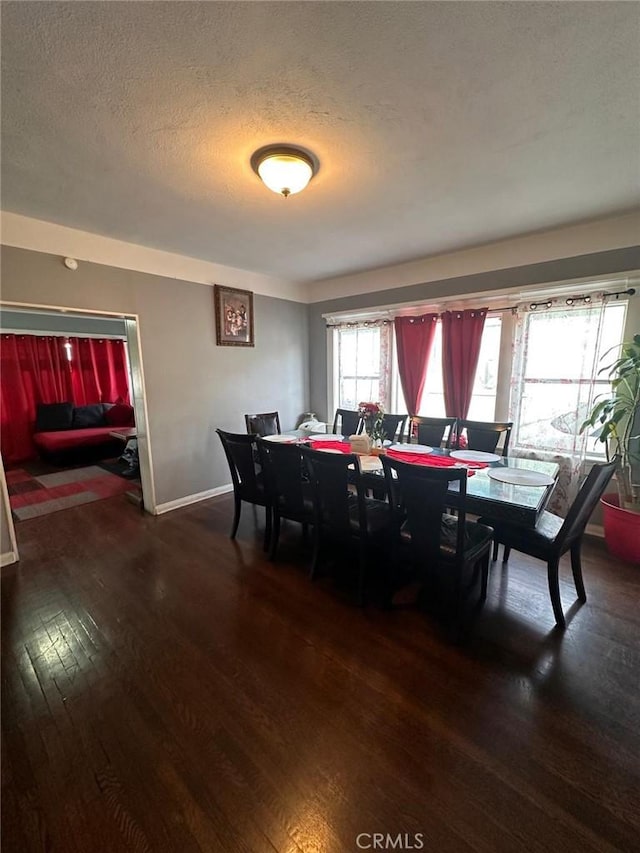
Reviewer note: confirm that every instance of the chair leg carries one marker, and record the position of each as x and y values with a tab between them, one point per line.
554	590
275	535
362	571
267	528
236	516
505	553
315	558
496	545
576	568
485	576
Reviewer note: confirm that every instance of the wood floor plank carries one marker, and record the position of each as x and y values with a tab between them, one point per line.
165	688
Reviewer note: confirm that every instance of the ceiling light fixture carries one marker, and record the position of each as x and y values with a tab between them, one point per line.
284	169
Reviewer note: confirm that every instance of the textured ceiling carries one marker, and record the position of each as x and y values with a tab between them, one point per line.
437	125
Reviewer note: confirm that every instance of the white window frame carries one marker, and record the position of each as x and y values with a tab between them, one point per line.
557	291
589	454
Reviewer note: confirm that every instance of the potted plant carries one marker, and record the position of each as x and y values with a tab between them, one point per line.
616	419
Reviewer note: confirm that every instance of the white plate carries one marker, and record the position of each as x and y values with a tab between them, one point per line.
520	477
330	436
474	456
329	450
412	448
281	439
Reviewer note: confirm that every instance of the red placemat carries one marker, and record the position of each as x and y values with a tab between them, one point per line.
342	446
432	460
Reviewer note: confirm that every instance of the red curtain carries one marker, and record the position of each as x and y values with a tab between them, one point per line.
37	369
99	371
33	370
414	338
461	340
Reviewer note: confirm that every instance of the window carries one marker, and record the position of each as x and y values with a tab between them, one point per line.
485	389
556	378
362	364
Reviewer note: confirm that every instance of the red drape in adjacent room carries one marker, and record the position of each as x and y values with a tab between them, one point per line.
36	369
414	338
33	370
461	340
99	371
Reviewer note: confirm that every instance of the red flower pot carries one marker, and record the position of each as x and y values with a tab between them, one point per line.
621	529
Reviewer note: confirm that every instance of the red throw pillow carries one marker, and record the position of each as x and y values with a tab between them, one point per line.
120	415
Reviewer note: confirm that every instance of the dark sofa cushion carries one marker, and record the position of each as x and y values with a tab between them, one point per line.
120	415
89	416
51	417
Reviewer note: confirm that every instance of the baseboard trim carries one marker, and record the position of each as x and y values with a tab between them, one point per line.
595	530
187	500
8	558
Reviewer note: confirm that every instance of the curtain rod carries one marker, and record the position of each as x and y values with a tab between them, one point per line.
38	333
547	303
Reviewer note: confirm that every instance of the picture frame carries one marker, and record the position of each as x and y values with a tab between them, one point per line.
234	317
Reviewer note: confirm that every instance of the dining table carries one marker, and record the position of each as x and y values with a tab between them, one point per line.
515	503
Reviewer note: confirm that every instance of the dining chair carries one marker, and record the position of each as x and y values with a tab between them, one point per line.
248	481
291	492
438	543
553	536
485	435
431	431
264	423
342	515
347	422
393	427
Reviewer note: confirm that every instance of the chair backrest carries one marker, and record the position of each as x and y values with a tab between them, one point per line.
393	427
283	467
264	423
331	474
485	435
430	431
580	510
241	452
347	422
421	495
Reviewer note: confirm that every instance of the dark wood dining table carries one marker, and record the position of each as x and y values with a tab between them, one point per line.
517	504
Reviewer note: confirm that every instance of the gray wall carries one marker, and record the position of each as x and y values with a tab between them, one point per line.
192	385
43	322
602	263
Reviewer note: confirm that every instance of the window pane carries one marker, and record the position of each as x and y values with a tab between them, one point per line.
485	387
559	375
359	365
348	394
612	332
432	405
576	329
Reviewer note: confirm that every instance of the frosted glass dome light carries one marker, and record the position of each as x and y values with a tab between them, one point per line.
286	171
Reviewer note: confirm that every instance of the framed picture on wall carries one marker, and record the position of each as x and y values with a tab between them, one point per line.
234	317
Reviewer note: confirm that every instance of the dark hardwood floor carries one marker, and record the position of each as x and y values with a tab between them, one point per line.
166	689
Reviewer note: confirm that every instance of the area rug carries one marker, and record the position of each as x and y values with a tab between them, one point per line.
34	495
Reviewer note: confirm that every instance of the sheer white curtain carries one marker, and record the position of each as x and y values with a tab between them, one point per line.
555	365
363	364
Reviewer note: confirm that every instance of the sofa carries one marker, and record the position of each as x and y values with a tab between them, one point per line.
65	433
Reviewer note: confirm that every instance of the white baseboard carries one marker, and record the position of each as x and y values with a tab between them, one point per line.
595	530
8	558
187	500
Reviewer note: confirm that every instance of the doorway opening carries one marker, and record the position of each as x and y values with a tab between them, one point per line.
74	422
